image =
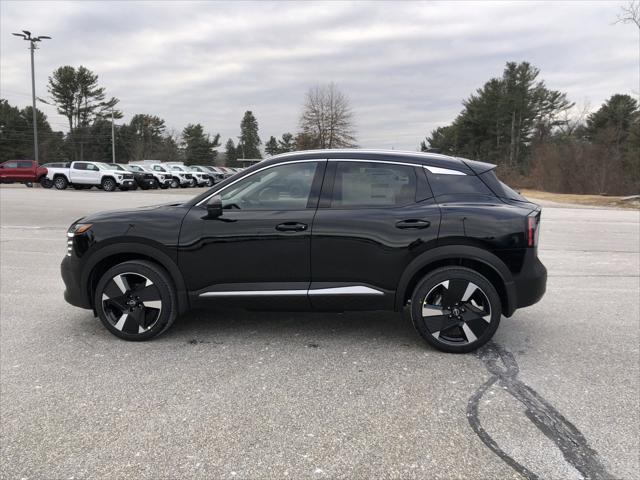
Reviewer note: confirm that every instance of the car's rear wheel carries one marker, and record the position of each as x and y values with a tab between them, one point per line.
136	300
455	309
108	184
175	183
209	182
60	182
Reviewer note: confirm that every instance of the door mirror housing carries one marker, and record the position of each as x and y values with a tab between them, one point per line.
214	207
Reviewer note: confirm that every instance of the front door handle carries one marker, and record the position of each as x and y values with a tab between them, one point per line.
413	223
291	227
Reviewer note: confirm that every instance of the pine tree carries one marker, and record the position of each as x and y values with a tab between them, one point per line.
249	139
231	154
271	147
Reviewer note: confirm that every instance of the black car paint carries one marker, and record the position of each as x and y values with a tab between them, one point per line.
243	250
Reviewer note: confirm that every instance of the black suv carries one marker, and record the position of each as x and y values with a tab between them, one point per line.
320	230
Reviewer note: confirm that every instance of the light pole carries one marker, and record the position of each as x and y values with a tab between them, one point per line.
26	35
113	139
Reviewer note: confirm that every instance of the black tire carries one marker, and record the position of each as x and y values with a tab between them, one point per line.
155	184
60	182
455	309
28	184
136	300
124	189
108	184
193	183
209	182
45	182
175	183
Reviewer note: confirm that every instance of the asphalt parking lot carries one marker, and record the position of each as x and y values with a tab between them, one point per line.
234	394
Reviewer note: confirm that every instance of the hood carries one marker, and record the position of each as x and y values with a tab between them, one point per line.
130	214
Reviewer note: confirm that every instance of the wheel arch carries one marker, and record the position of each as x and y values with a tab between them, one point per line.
114	254
482	261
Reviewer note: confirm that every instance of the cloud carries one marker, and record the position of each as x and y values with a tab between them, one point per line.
405	66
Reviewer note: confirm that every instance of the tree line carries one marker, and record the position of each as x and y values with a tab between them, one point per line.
533	133
326	122
538	140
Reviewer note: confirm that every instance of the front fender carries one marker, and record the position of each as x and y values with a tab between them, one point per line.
129	248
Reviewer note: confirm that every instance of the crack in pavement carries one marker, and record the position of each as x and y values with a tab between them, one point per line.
566	436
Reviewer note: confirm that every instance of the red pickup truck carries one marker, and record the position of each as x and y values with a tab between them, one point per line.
22	171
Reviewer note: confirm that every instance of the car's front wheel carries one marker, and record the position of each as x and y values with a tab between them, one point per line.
108	184
175	183
136	300
455	309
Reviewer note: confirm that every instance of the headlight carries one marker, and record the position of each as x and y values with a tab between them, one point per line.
75	229
78	228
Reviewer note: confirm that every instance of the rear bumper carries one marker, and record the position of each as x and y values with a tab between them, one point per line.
531	283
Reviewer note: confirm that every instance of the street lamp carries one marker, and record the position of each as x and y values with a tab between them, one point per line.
26	35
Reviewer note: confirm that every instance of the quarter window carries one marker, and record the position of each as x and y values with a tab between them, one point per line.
362	184
444	184
283	187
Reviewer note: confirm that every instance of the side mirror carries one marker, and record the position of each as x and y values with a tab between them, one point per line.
214	207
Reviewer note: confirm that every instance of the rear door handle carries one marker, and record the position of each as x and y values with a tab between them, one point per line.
413	223
291	227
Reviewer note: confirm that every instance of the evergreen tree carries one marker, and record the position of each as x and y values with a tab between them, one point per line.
230	153
249	139
198	147
81	100
287	143
501	120
271	147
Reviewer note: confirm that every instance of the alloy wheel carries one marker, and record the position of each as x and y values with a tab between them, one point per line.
456	312
131	302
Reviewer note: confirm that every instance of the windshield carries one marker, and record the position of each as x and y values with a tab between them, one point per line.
111	166
176	168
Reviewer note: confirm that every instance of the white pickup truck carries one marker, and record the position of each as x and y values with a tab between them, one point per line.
81	175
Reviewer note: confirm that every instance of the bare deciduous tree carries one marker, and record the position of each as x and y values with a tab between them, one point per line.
630	13
327	118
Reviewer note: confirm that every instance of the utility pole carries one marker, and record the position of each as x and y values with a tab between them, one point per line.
113	139
26	35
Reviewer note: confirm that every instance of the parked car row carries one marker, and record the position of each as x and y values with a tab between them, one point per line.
144	174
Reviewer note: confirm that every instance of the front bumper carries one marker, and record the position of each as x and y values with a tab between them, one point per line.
74	294
127	183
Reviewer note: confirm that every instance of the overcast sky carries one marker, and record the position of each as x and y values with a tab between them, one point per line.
405	66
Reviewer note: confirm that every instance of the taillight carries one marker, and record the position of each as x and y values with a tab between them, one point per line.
533	230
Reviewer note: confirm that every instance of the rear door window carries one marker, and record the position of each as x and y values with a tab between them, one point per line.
80	166
372	184
24	164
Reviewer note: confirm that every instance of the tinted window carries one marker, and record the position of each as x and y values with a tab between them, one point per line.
499	188
135	168
10	164
361	184
80	166
445	184
24	164
284	187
